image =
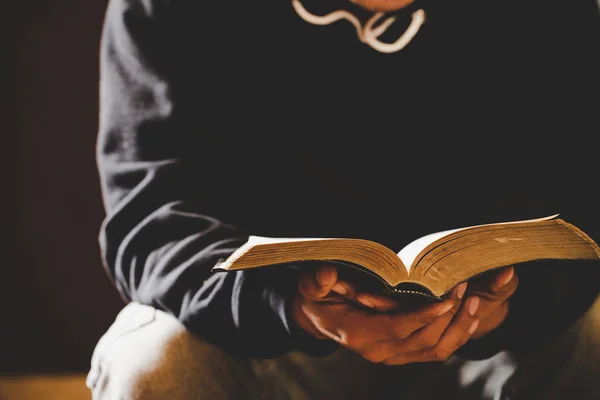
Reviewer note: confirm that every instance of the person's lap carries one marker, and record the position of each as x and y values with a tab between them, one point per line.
148	354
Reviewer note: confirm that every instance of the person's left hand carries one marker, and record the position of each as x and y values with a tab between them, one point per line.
491	293
494	292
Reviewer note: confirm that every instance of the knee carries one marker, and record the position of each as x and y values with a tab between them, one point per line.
147	354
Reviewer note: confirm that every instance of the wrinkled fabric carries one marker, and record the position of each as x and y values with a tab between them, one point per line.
217	124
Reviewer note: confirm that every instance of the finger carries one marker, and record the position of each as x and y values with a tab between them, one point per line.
317	285
345	289
430	335
459	331
346	324
491	313
423	316
373	301
425	355
402	342
402	325
494	300
491	304
500	288
505	283
376	302
462	326
502	277
357	328
383	303
491	321
425	337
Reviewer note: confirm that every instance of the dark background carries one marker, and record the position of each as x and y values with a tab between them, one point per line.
56	298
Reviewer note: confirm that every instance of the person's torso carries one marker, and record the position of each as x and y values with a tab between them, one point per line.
480	118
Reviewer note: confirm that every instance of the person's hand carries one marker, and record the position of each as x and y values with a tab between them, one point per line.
383	5
491	294
494	291
431	332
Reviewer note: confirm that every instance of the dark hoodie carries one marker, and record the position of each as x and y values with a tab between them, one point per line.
221	120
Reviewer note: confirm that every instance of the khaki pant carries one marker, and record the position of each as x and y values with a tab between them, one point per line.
147	354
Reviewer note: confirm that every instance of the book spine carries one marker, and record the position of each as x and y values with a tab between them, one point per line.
399	291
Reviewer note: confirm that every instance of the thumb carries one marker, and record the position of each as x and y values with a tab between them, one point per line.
326	276
318	285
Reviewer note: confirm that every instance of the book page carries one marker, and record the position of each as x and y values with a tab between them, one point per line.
412	250
366	255
254	240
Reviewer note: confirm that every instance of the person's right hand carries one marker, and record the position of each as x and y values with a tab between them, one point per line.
432	332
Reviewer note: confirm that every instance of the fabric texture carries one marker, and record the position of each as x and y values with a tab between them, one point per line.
215	125
147	354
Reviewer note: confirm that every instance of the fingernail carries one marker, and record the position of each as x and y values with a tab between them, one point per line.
507	278
445	309
366	302
461	290
473	305
339	288
473	326
324	276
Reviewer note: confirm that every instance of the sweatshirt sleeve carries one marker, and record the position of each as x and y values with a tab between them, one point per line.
165	189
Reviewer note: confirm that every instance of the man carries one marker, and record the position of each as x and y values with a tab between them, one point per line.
379	119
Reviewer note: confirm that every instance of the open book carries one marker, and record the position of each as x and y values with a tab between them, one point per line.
433	264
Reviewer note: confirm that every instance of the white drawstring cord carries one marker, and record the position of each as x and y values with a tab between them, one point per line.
367	34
